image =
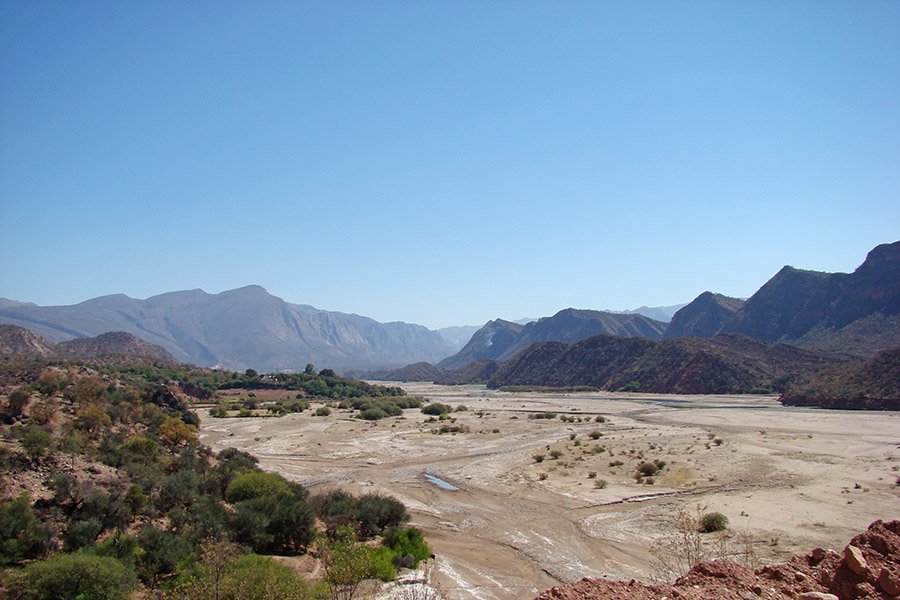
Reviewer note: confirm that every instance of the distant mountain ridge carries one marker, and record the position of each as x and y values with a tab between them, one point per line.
500	340
856	314
238	329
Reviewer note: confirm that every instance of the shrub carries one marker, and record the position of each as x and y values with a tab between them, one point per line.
408	542
595	435
600	484
23	534
323	411
256	484
544	415
599	419
218	412
372	414
36	442
646	469
461	408
555	454
714	521
376	513
254	577
436	408
161	552
79	576
17	401
538	458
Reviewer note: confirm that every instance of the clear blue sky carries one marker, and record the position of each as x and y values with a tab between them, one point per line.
443	162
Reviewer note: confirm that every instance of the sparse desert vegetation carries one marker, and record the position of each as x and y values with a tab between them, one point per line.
588	513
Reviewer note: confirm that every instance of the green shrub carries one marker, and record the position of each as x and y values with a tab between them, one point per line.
380	563
376	513
22	534
713	521
219	412
373	413
256	484
323	411
254	577
36	442
407	542
81	533
436	408
76	576
595	435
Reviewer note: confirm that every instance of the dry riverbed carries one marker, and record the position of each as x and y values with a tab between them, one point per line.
791	478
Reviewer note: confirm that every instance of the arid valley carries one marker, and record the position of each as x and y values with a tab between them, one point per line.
547	500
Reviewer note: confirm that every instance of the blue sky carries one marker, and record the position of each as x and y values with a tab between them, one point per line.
443	162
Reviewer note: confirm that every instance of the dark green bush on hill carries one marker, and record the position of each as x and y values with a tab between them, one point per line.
75	576
22	534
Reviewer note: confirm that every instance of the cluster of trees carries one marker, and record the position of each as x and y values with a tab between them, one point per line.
135	500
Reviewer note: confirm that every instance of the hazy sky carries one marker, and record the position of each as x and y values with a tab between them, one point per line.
443	163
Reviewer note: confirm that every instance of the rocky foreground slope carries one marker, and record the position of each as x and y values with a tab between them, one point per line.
868	568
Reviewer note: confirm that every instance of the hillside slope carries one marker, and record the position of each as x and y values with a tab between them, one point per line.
873	384
724	364
704	316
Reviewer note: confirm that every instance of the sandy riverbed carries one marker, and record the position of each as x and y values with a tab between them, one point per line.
791	478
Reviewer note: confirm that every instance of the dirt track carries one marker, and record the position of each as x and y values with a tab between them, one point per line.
792	478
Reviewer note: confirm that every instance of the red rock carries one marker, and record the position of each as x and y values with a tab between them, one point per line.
853	558
889	582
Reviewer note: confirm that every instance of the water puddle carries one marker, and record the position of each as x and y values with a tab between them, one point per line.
441	483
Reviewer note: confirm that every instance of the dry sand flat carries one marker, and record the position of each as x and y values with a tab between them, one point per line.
793	478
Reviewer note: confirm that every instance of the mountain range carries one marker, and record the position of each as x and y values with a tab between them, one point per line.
501	340
237	329
856	315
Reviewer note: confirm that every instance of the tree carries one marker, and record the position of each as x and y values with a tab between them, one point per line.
18	399
310	369
175	432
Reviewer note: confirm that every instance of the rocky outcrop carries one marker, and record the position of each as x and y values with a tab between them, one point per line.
18	341
867	569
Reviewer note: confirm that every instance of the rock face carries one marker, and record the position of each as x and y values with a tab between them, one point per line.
704	317
490	342
18	341
237	329
830	576
856	313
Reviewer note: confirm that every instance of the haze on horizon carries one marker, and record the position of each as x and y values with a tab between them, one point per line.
443	164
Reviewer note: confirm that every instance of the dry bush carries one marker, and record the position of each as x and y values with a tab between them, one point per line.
684	545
